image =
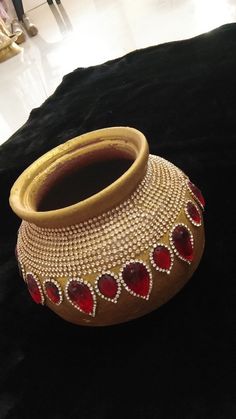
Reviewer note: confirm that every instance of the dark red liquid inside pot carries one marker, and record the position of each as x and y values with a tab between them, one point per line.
72	184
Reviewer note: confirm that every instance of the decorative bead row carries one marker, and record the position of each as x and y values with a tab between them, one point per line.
108	240
135	275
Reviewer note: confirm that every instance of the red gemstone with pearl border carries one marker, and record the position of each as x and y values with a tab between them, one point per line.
81	295
162	258
34	288
107	285
53	291
137	279
197	194
181	240
193	214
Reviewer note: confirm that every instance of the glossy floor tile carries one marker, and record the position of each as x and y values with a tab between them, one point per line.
81	33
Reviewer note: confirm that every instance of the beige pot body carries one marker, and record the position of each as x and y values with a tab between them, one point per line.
52	242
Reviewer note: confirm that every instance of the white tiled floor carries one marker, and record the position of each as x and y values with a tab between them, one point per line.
81	33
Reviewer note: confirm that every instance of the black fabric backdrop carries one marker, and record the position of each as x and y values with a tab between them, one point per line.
177	362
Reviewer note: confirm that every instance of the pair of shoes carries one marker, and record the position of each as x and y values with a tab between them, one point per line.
17	30
29	26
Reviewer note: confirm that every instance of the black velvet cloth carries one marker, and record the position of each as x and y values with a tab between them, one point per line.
177	362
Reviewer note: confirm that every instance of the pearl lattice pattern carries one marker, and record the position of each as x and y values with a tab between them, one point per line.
113	237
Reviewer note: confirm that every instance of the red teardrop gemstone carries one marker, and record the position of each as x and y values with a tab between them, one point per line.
162	257
193	213
137	279
53	292
81	295
197	193
108	286
182	242
34	289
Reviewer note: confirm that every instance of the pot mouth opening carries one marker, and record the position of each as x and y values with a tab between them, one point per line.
80	178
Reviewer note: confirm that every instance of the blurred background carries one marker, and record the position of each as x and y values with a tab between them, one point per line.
81	33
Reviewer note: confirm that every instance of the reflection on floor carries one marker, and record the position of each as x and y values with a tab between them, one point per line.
82	33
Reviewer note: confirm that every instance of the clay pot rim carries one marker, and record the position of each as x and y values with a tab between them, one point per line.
130	141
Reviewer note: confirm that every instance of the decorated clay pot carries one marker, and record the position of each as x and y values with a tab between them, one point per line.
109	232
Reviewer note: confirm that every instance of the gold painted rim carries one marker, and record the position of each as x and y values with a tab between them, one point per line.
25	191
